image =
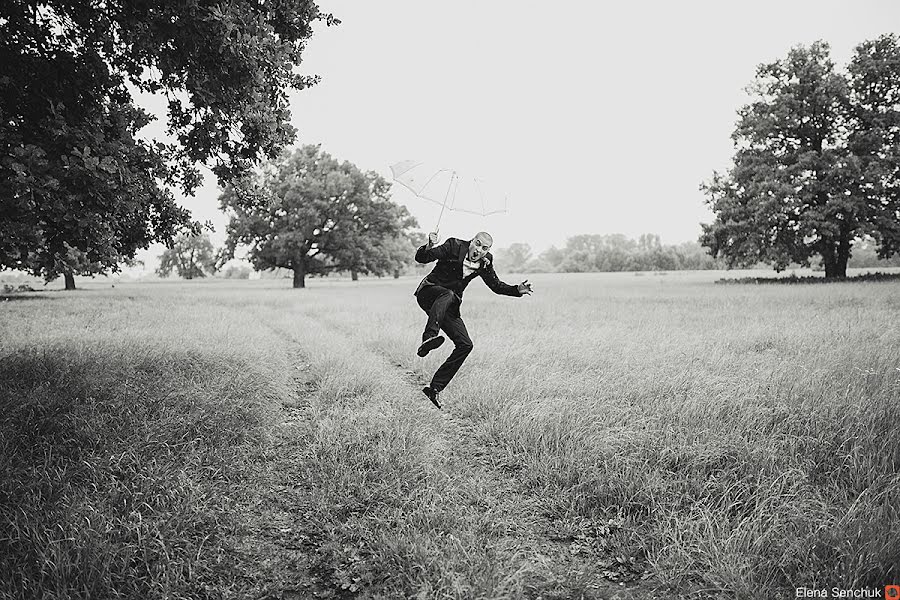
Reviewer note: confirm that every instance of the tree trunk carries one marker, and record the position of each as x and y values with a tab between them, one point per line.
70	280
396	273
835	256
299	275
354	276
835	261
839	268
843	252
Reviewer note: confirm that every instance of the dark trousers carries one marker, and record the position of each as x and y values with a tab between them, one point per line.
442	306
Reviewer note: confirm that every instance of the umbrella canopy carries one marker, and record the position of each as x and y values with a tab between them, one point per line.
449	188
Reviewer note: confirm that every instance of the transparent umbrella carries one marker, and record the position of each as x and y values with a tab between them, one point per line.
450	189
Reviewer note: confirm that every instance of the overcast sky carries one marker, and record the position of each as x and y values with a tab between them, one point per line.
595	117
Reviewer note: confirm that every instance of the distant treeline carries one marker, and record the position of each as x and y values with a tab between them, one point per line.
610	252
616	252
580	254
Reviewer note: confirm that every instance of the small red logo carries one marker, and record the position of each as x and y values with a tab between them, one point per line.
892	592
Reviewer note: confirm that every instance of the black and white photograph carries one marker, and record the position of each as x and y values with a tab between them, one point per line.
320	299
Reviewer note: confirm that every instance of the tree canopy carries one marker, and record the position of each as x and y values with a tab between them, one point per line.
514	257
80	191
817	162
312	214
191	256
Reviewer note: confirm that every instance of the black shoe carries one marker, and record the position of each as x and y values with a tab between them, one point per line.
432	395
430	344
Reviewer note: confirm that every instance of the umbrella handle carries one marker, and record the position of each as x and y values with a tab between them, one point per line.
438	225
446	197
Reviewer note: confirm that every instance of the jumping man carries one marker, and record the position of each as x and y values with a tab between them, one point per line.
440	295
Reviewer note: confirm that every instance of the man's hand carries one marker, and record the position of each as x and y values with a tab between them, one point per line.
432	238
525	288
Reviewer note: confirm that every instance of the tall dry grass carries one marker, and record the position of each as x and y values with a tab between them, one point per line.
126	424
745	437
726	441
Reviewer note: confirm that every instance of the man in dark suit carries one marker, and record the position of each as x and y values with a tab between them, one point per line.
440	295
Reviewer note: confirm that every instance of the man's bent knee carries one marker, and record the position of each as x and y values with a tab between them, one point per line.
465	346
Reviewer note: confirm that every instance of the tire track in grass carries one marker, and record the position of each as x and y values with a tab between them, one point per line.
516	520
275	555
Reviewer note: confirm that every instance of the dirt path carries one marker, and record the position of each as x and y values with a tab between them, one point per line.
577	558
282	557
273	553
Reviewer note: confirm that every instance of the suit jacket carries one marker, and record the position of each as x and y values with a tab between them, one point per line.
448	272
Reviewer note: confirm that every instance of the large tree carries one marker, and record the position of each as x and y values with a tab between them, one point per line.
375	241
312	214
80	191
874	139
399	251
191	256
817	162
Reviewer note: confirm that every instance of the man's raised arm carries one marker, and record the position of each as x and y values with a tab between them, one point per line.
429	252
489	275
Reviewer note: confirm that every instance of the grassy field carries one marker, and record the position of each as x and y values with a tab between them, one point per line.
614	435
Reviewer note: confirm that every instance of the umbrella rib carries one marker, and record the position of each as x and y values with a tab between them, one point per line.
417	192
453	186
418	164
475	212
480	195
444	205
450	208
412	189
430	179
418	195
455	183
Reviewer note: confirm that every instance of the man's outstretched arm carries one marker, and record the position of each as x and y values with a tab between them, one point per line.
429	252
504	289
